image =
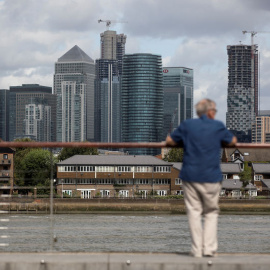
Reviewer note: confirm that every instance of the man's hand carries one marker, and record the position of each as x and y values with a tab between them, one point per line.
170	141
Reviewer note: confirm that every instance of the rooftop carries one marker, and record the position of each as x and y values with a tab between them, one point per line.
75	54
100	160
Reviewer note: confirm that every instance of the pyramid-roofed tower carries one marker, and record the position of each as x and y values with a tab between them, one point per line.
75	54
74	81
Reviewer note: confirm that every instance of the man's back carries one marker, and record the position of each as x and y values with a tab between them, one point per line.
202	140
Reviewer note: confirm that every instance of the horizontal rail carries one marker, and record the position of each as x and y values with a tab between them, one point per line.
83	144
109	145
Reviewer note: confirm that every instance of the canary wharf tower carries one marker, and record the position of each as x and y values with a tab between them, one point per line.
74	86
142	100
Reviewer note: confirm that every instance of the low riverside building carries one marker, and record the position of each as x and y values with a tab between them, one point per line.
6	171
234	188
261	176
89	176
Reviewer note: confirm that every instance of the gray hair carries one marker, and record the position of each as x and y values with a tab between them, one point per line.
203	106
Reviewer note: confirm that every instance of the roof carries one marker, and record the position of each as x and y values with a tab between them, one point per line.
236	184
261	167
251	154
75	54
225	167
177	165
230	168
266	182
98	160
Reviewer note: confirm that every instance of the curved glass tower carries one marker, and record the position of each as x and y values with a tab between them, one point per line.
142	100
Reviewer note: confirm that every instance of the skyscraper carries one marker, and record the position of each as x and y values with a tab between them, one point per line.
142	100
242	100
74	86
20	99
107	87
4	114
178	97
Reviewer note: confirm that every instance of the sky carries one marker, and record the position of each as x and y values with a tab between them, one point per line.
193	34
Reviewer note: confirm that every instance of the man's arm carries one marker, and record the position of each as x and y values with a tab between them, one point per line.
233	142
170	141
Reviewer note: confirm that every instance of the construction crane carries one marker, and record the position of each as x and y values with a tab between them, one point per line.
109	22
253	33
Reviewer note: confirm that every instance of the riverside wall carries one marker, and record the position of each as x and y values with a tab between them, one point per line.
171	206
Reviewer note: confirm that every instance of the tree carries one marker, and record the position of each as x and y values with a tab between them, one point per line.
20	153
174	155
36	166
246	175
69	152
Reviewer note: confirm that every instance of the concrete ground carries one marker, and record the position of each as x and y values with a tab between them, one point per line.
131	261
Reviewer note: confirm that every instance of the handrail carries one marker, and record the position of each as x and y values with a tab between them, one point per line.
110	145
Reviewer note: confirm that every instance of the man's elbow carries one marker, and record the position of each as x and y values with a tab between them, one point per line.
170	141
233	142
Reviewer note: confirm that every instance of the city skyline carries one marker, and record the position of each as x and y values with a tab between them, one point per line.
192	34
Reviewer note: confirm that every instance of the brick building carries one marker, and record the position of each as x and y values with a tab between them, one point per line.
89	176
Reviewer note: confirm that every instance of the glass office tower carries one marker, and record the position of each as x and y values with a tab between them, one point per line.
107	87
74	86
178	97
142	100
4	114
20	98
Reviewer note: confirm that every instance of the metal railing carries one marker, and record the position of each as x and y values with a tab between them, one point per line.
52	145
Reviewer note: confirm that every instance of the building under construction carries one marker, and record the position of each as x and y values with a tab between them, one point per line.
242	100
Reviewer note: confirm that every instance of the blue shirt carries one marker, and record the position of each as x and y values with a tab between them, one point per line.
202	139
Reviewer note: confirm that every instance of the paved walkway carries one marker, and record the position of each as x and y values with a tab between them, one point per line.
131	261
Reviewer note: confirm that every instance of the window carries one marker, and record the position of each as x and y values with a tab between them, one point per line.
143	169
178	181
5	156
224	176
124	169
123	193
162	169
162	192
258	177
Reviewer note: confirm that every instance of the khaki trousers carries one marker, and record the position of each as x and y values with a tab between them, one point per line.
201	200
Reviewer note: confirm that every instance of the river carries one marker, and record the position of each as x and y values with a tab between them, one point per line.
127	233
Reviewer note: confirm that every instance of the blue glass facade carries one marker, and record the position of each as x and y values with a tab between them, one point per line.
178	97
142	100
4	114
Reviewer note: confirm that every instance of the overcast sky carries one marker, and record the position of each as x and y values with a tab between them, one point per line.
190	33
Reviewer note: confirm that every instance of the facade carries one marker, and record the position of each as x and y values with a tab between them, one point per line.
178	97
6	171
38	122
261	176
242	101
142	101
108	87
261	130
20	99
89	176
74	86
4	114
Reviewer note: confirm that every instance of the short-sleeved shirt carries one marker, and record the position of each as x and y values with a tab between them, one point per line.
202	139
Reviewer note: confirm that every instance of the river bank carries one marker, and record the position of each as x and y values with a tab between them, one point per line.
171	206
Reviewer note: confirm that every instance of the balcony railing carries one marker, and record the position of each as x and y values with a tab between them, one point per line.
4	173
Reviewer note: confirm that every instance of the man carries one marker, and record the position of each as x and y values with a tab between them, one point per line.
202	139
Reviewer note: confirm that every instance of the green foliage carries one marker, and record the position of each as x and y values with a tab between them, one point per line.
36	166
246	174
69	152
174	155
20	153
